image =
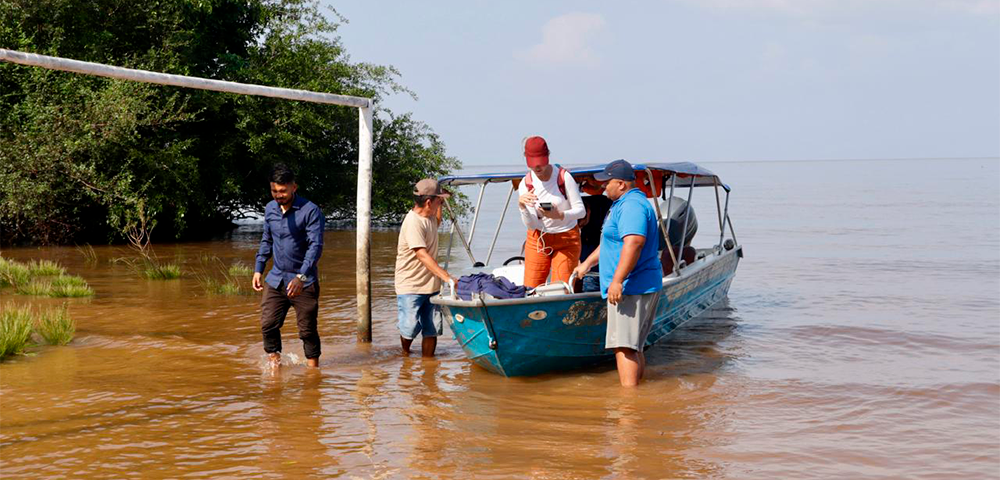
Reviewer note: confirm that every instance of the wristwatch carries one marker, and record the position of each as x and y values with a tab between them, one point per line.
302	278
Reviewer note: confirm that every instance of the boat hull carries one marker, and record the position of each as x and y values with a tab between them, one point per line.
536	335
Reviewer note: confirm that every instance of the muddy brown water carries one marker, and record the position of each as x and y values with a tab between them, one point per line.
858	341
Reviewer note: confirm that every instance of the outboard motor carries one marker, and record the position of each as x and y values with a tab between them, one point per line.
675	217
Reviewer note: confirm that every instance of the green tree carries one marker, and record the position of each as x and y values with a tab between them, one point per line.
80	155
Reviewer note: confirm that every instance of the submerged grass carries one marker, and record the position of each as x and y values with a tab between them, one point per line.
70	286
89	254
42	278
235	279
150	269
13	273
55	326
15	329
240	269
163	271
45	268
61	286
39	288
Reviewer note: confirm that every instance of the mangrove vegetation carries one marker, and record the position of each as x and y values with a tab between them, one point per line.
84	158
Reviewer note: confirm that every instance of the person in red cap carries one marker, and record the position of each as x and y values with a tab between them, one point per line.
550	205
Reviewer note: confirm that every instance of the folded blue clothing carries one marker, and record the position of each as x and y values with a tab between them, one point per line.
496	287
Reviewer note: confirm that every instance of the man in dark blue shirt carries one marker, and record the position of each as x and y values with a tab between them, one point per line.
293	236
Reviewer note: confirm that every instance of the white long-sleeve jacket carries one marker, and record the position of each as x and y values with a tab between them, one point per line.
548	191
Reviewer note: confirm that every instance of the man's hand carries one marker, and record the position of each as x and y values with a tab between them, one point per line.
581	270
527	199
294	288
614	293
256	282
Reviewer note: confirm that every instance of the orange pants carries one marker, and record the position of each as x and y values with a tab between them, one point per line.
559	252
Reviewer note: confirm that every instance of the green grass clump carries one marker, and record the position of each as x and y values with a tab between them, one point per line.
165	271
13	273
45	268
229	286
61	286
55	326
15	329
89	254
239	269
70	286
38	288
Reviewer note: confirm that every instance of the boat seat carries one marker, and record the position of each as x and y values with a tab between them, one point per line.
514	273
550	289
689	256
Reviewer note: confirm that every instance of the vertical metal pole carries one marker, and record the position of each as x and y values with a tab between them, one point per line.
725	215
718	207
659	214
500	223
733	232
364	283
687	215
451	240
475	215
454	222
666	230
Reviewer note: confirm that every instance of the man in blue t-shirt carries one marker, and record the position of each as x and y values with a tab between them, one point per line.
631	275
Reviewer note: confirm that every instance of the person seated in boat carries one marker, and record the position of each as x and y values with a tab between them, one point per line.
550	205
596	207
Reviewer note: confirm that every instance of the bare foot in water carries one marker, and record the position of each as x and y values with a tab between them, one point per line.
312	362
274	360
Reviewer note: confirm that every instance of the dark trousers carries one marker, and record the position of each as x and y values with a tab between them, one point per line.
274	307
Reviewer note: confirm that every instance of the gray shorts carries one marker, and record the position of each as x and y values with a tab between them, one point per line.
629	322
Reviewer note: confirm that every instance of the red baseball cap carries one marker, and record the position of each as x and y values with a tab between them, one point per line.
536	151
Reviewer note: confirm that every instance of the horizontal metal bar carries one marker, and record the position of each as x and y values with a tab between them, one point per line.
101	70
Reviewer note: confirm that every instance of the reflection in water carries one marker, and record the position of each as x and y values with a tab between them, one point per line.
291	424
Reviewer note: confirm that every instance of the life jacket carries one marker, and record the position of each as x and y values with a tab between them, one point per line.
560	181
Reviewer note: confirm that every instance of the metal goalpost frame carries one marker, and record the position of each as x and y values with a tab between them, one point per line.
364	106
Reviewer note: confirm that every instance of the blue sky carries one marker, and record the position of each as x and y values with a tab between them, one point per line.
699	80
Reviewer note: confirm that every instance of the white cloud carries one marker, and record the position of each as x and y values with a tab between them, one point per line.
566	41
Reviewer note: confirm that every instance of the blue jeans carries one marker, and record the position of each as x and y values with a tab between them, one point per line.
416	316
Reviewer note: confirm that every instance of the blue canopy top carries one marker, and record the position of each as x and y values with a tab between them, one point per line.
685	172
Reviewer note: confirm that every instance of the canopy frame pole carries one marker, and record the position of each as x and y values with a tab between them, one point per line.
666	230
475	215
456	228
725	216
731	231
496	234
451	240
365	115
687	215
659	214
718	208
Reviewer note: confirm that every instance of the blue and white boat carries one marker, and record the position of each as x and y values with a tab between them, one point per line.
556	328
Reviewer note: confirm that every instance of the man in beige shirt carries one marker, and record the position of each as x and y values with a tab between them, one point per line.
418	275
